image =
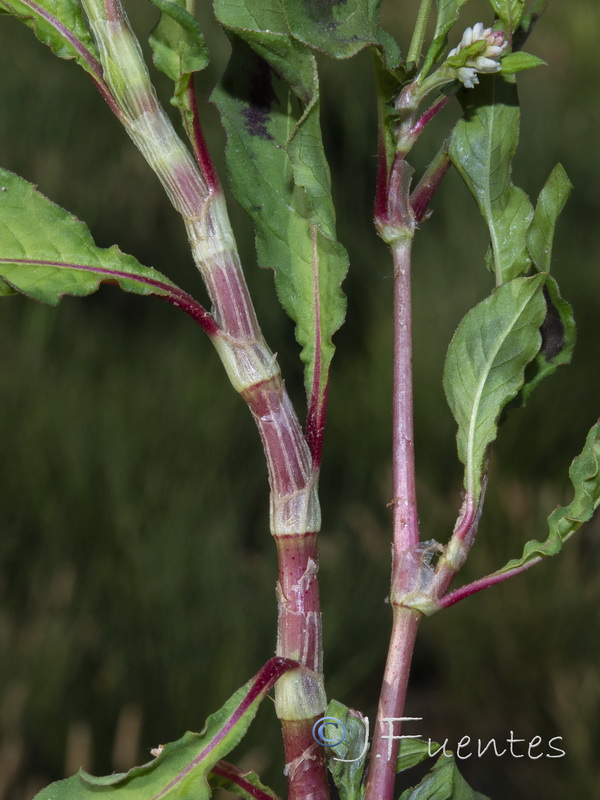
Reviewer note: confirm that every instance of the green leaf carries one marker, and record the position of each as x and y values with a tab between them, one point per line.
245	784
59	24
45	253
558	339
180	771
269	104
178	47
550	203
5	289
482	146
485	367
340	29
447	15
565	520
413	752
348	773
519	61
443	782
178	50
509	11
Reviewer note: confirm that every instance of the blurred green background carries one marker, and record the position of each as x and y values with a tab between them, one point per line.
136	569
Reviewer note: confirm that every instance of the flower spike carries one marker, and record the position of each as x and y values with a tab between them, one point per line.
479	51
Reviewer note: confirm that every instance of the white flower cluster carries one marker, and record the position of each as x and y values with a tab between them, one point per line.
493	44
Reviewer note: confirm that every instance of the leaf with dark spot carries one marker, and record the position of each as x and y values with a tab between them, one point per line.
558	340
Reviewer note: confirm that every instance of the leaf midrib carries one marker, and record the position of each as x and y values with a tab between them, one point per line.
478	395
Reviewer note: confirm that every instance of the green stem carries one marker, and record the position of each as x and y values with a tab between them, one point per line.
418	37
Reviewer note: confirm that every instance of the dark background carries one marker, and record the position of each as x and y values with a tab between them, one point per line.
136	569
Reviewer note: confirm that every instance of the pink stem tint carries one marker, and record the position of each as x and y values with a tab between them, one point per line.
384	751
428	115
406	524
196	137
166	291
484	583
429	184
94	65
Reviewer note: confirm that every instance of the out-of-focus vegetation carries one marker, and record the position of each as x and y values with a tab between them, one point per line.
136	569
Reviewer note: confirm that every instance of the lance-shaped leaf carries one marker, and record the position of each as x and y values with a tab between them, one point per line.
45	253
340	29
245	784
565	520
60	25
181	769
509	11
485	367
269	104
447	14
443	782
550	203
518	62
179	50
482	146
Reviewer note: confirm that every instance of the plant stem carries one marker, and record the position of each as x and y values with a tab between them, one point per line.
300	698
484	583
295	519
424	191
396	225
195	192
384	750
418	37
428	115
405	520
196	137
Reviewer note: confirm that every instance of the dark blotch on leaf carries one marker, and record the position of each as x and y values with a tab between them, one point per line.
260	98
322	10
256	122
552	330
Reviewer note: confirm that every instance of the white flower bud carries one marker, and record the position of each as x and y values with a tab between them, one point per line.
479	51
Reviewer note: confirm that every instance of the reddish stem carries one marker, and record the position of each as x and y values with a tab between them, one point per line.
94	65
483	583
315	426
196	137
428	115
238	777
398	224
166	291
406	524
384	750
304	761
298	590
299	633
317	403
429	184
288	460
